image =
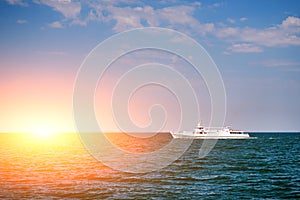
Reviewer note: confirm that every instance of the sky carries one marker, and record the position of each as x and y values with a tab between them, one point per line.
255	45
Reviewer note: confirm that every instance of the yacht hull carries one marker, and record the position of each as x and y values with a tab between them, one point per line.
191	135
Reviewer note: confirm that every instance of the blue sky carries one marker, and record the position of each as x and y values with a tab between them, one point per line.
255	45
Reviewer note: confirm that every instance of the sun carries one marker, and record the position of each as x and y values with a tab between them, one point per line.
42	131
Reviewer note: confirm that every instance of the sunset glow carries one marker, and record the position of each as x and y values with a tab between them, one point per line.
43	132
40	56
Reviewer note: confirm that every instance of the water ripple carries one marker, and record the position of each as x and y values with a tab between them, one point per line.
263	168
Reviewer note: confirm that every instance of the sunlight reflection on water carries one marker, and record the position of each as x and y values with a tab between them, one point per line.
60	167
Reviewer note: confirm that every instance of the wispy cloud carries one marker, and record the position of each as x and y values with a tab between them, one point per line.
280	63
17	2
79	22
230	20
21	21
56	24
132	17
127	14
215	5
181	18
68	8
245	48
281	35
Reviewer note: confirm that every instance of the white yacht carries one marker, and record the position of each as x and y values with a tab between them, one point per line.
201	132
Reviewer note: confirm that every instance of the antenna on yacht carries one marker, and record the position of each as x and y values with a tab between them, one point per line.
200	123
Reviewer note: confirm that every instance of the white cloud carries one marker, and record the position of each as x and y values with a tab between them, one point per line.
174	17
196	3
68	8
179	17
125	18
230	20
177	14
270	37
21	21
291	25
215	5
243	19
291	22
226	53
280	63
17	2
245	48
181	39
56	24
284	34
224	32
79	22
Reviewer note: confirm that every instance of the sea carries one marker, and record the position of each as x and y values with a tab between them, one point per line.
266	166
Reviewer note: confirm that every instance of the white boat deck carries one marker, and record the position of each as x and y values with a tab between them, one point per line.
201	132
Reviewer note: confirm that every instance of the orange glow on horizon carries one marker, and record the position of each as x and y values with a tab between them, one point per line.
37	102
43	131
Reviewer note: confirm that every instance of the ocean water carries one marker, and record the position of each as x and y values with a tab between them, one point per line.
267	166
